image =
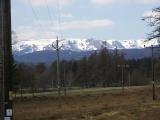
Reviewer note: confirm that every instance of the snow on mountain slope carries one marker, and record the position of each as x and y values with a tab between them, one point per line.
30	46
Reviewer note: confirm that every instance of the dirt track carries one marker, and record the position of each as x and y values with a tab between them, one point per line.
134	104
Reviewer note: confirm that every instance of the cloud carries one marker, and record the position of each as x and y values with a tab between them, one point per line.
50	30
42	3
108	2
14	38
24	33
82	24
66	15
147	1
103	2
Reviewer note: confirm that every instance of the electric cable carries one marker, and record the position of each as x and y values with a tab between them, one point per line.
35	14
59	18
48	10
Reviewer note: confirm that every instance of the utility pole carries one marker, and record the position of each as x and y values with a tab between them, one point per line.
129	78
153	80
153	72
116	61
64	78
57	48
122	80
5	61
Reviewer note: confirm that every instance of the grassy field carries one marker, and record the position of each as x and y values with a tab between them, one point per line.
75	91
91	104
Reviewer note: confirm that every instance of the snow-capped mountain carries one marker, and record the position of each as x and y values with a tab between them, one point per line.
35	51
79	45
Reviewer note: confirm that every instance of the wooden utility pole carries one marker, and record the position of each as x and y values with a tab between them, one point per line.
153	72
5	61
64	79
122	80
153	80
116	62
129	84
57	48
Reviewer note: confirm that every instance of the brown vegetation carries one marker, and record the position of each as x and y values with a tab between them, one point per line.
134	104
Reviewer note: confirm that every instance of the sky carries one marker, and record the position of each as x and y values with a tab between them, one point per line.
99	19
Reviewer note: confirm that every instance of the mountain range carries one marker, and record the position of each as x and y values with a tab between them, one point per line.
34	51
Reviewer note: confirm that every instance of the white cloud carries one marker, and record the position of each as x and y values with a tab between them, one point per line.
76	25
50	2
108	2
66	15
83	24
88	24
24	33
103	2
50	30
148	1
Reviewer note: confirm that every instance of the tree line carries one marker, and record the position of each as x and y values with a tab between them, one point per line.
97	70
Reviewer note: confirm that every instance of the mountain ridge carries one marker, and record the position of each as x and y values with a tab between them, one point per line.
78	45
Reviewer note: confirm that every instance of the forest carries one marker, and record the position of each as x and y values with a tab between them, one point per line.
100	69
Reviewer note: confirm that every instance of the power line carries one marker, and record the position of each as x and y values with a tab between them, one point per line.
48	10
59	31
59	18
35	14
49	14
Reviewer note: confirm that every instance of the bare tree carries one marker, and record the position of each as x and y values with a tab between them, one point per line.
153	20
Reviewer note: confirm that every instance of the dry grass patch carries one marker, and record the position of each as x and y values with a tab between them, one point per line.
134	104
